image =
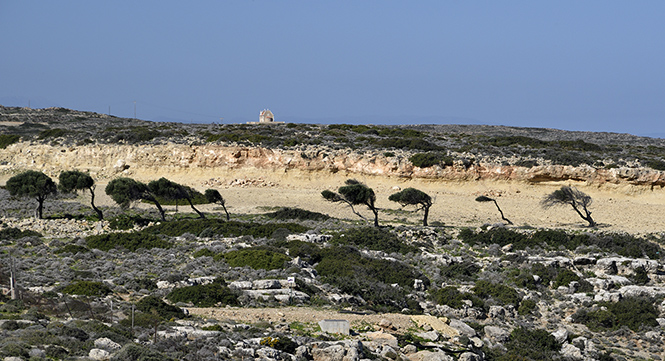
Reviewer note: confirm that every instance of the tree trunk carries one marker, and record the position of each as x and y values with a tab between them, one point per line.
425	217
40	208
201	215
92	203
376	216
500	211
228	217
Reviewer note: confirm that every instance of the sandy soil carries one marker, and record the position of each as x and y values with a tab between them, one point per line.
627	208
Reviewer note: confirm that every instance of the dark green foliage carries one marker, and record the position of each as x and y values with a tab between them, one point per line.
369	278
213	196
204	295
283	344
124	191
51	133
172	192
452	297
426	160
87	288
307	251
413	197
503	294
564	277
632	312
219	227
72	248
125	222
524	344
72	181
514	140
656	164
15	233
463	271
297	213
620	243
256	258
129	241
373	238
8	139
354	193
32	184
407	143
526	307
640	276
152	304
141	283
203	252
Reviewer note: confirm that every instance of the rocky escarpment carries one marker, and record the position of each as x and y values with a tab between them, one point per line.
107	161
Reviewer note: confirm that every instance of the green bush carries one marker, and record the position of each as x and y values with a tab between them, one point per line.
220	227
52	133
373	238
524	344
124	222
255	257
464	271
499	292
129	241
15	233
152	304
297	213
8	139
640	276
87	288
203	252
204	295
72	248
371	279
307	251
632	312
526	307
452	297
564	277
426	160
283	344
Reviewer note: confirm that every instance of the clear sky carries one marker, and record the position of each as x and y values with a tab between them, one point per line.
576	65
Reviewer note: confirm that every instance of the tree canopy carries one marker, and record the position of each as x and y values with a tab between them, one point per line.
124	191
577	199
168	189
74	180
213	196
32	184
354	193
413	197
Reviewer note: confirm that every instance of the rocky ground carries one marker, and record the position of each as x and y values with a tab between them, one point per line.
465	288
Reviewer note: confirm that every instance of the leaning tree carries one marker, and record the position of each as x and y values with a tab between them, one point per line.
354	193
73	180
171	190
413	197
488	199
32	184
577	199
124	191
213	196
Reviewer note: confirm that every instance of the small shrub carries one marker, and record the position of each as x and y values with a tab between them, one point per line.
297	213
15	233
640	276
283	344
129	241
526	307
8	139
203	252
87	288
72	248
152	304
256	258
373	238
499	292
426	160
632	312
465	271
125	222
220	227
524	344
204	295
52	133
564	277
452	297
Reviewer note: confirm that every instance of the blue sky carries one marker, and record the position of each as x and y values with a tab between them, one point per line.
576	65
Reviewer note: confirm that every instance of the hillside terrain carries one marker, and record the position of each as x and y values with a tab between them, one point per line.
469	286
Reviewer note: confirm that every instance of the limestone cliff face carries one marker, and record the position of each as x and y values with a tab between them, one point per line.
107	161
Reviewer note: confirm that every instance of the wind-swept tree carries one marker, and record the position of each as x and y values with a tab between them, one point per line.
124	191
213	196
488	199
354	193
577	199
32	184
170	190
413	197
73	180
